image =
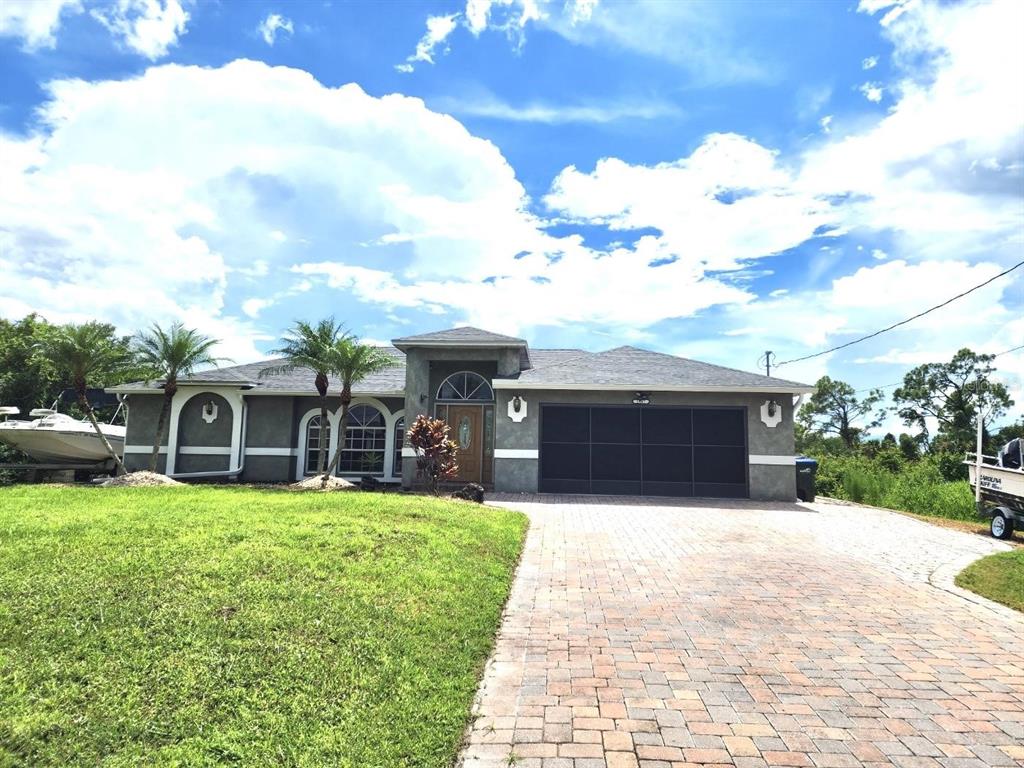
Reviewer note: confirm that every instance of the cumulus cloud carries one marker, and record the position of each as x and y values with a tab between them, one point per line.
438	30
728	202
35	21
869	63
872	92
273	24
148	27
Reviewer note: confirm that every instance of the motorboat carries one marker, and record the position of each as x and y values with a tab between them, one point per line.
56	438
998	482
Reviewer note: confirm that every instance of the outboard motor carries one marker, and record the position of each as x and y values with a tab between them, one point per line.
1012	454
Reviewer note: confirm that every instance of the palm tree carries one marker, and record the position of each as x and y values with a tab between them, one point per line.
311	346
172	354
84	352
352	362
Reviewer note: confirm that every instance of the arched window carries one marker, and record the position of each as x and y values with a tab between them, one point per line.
465	385
365	441
396	467
313	445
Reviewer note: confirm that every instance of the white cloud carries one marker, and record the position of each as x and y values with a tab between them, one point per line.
438	30
148	27
727	202
826	124
554	114
869	63
272	25
699	38
879	254
35	21
252	307
872	92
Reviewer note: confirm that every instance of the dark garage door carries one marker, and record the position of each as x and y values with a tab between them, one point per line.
650	451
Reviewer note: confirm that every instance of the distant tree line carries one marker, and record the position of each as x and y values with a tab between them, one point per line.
940	402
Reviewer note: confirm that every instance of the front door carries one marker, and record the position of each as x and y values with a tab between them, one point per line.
466	423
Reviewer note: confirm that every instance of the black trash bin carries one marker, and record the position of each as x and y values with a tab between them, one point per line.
806	472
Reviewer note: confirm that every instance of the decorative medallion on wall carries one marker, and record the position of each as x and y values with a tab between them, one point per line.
771	413
210	412
465	433
517	409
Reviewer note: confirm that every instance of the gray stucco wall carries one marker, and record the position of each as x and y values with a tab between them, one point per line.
143	413
193	430
766	482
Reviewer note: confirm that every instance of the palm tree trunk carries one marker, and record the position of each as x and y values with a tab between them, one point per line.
321	448
84	402
346	400
161	425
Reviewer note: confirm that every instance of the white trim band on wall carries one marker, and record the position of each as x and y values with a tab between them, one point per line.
516	453
777	461
271	452
143	449
204	450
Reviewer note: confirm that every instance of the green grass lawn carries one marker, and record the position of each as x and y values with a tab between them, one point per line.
231	626
998	577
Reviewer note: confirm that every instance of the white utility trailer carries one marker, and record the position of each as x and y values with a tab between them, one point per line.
998	483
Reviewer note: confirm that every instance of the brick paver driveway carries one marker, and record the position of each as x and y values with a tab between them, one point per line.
659	635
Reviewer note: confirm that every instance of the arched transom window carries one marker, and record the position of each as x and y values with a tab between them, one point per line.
365	441
465	385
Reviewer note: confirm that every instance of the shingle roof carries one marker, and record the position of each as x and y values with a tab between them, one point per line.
463	335
643	369
386	382
623	367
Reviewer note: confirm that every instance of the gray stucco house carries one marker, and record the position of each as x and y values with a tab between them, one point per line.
624	421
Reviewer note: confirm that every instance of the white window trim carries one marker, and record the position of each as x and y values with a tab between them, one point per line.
334	419
440	400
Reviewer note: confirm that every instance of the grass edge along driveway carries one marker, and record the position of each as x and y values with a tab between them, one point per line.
999	577
234	626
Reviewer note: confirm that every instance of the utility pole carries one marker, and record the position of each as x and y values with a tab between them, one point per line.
766	360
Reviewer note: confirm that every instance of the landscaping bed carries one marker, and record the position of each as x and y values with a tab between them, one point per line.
998	577
236	626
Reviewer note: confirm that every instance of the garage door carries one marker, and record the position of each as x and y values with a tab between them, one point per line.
650	451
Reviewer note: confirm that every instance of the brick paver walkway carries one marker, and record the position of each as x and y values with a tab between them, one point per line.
660	636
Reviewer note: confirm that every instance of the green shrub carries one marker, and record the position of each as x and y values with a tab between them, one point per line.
918	486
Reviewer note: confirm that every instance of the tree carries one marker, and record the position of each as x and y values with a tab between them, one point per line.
171	354
82	353
835	409
311	347
435	452
948	393
352	362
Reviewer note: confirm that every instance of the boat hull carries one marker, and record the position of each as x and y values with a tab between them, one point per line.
998	480
51	446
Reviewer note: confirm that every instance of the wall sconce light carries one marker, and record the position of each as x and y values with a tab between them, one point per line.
771	413
423	398
517	408
641	398
209	413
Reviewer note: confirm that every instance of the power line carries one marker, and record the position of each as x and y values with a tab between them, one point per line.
909	319
1008	351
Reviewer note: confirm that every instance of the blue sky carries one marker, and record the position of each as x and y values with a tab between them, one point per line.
706	179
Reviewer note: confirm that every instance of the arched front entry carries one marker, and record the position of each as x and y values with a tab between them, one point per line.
465	401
